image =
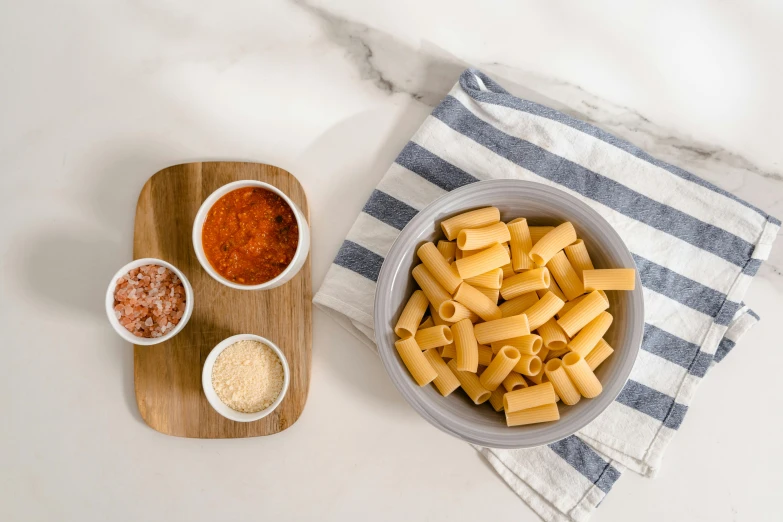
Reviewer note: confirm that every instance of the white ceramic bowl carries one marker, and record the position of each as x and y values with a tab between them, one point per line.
302	249
125	334
541	205
209	390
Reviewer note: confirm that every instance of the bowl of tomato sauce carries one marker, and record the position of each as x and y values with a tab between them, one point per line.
249	235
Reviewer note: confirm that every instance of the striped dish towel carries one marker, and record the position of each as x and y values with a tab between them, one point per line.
696	247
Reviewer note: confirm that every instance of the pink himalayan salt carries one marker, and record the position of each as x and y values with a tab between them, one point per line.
149	301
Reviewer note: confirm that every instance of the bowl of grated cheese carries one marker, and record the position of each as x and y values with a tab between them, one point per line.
245	377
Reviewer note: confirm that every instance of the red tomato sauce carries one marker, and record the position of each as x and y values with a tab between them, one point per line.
250	235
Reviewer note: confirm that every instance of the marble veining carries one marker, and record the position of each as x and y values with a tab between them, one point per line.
428	73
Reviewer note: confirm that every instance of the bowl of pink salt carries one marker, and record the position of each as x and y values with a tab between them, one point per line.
149	301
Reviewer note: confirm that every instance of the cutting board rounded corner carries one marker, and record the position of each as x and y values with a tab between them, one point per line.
167	377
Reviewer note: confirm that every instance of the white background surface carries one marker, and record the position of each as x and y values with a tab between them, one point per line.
97	96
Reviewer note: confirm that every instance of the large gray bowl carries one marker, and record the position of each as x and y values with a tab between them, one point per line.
541	205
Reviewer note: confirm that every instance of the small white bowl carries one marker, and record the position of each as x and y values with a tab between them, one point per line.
302	248
209	390
144	341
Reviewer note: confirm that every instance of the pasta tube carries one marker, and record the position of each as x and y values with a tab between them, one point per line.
413	359
513	382
526	344
499	368
564	388
433	337
566	276
552	288
581	314
492	294
427	323
466	345
493	257
552	335
484	355
521	243
448	249
474	219
479	238
610	279
555	241
449	351
529	397
536	233
492	279
496	399
446	382
528	365
519	304
543	310
582	376
443	272
477	302
545	413
430	286
506	328
528	281
578	257
598	354
452	311
470	384
588	336
411	315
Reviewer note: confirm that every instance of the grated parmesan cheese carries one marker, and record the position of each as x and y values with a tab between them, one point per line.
247	376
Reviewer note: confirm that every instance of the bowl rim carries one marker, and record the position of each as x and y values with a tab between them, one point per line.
144	341
302	246
388	358
209	391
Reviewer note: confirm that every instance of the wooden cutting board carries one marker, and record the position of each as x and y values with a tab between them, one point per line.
167	376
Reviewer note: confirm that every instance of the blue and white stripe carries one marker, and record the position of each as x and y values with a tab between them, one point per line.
696	246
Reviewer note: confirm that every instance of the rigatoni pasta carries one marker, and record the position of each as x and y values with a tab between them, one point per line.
479	238
518	305
520	243
588	336
506	328
543	310
477	302
565	275
578	257
564	388
433	337
443	272
610	279
493	257
492	279
446	382
429	285
552	243
545	413
581	314
600	352
466	345
581	375
508	311
411	315
469	382
528	281
503	363
413	359
448	249
473	219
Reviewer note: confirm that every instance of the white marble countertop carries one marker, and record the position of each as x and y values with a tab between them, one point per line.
98	96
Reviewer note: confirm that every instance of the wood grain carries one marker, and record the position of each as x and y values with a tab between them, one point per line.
167	376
